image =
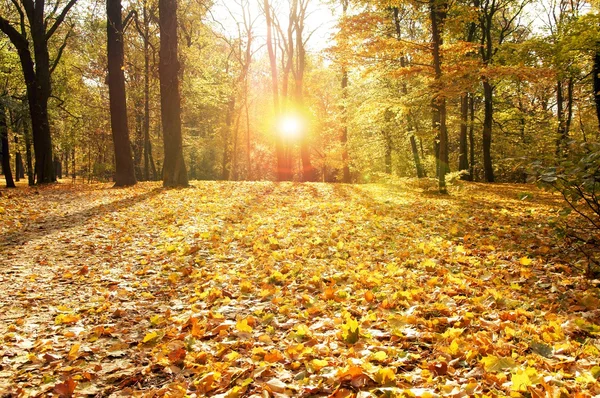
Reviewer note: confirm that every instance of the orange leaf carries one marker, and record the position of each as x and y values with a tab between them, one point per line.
65	390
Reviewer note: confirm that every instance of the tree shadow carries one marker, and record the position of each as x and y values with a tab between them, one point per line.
57	223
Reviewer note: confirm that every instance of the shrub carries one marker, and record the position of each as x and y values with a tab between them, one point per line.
577	178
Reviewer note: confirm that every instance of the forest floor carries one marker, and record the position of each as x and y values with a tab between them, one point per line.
263	289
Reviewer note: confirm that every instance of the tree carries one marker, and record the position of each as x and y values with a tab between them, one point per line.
282	171
497	20
124	170
174	171
299	17
596	73
437	12
5	149
37	69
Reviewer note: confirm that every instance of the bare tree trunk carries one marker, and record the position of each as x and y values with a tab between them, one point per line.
124	168
148	160
344	136
226	134
488	167
5	150
472	137
463	159
28	154
279	150
596	73
415	152
174	171
437	9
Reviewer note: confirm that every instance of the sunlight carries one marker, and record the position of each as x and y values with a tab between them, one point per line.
290	126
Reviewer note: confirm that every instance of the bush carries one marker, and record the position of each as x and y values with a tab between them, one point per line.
577	178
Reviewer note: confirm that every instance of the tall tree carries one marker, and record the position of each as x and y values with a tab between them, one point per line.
5	149
344	135
282	169
124	169
437	12
37	70
596	72
494	31
174	171
308	171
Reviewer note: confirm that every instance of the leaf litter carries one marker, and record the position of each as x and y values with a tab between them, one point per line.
282	289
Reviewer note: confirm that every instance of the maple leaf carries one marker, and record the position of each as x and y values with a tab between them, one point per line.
242	326
523	379
66	388
493	363
350	330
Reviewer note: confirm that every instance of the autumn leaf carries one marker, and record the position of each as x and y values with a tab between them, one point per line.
152	337
525	261
523	379
493	363
66	388
66	319
74	351
242	326
350	330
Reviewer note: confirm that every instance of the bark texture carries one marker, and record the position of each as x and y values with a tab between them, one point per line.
124	167
174	171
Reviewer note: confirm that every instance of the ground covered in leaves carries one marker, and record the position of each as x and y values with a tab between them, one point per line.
264	289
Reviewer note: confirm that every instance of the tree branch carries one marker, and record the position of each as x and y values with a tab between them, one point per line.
60	51
60	19
17	39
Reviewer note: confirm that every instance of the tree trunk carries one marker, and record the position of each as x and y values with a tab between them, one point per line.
19	167
437	14
148	161
344	136
5	150
28	154
279	150
488	167
596	73
308	171
174	171
560	133
463	159
388	153
226	134
472	137
124	167
415	152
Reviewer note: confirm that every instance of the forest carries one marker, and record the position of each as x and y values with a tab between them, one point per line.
274	198
370	90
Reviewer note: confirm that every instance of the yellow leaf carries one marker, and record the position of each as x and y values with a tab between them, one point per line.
385	375
150	337
350	330
318	364
379	356
492	363
520	381
454	347
242	326
62	319
452	333
74	351
525	261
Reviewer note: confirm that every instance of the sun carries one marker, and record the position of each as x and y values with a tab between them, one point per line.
290	127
